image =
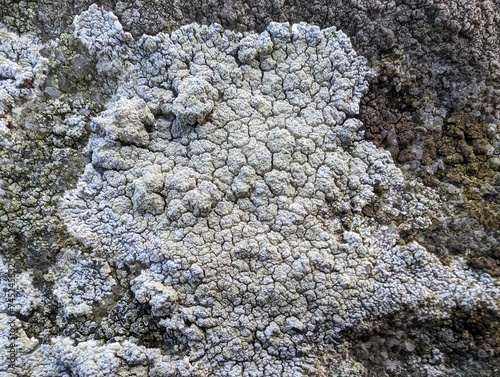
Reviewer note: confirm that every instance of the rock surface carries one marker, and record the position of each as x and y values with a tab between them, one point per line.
233	212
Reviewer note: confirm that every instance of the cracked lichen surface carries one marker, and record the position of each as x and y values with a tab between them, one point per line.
435	60
228	193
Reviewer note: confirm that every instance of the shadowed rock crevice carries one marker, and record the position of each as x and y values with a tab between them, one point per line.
453	345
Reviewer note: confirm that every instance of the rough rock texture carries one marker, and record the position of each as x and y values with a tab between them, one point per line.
233	216
436	65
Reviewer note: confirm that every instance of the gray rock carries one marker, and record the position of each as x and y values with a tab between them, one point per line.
235	219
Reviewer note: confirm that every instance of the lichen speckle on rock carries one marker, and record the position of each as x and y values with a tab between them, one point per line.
234	219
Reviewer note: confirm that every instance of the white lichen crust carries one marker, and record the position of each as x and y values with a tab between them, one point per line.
80	283
233	168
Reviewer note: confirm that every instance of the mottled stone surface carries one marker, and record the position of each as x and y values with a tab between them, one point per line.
436	64
228	206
